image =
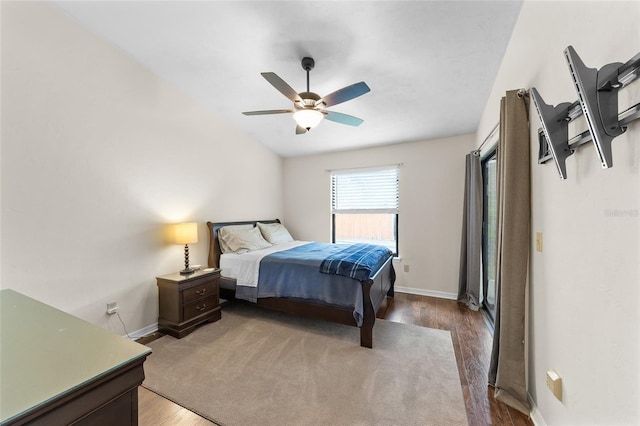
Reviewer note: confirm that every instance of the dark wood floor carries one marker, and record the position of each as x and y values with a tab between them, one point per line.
471	341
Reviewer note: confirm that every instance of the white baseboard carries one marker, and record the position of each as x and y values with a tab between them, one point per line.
536	415
143	331
423	292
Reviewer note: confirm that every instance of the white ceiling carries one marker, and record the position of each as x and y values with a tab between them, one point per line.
430	64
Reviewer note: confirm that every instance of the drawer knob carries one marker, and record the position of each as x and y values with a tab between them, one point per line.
202	308
201	292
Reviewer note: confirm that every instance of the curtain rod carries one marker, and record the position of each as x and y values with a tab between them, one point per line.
521	93
489	137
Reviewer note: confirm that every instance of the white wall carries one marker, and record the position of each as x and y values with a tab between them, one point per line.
98	155
431	196
585	285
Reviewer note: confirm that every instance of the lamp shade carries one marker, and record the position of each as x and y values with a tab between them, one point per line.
308	118
186	233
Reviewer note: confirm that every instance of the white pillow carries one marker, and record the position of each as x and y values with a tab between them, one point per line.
243	240
275	233
225	231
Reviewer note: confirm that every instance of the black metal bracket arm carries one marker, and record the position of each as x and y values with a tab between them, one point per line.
555	125
598	100
598	95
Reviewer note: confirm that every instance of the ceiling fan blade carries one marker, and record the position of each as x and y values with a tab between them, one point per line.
282	86
341	118
268	111
345	94
300	130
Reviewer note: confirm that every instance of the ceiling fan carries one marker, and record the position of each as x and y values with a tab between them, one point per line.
309	108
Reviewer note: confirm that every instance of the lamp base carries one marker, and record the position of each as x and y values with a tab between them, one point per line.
186	270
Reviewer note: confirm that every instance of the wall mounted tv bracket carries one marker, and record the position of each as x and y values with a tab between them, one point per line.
555	125
597	100
598	95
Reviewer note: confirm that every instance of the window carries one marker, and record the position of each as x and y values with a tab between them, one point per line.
364	206
489	231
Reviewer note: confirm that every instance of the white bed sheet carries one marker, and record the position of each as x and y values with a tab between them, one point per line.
245	267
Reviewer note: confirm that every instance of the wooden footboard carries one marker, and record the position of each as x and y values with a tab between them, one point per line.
374	292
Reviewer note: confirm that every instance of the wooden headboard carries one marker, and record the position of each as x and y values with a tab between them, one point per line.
214	244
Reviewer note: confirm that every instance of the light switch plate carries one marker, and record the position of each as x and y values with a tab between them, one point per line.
539	241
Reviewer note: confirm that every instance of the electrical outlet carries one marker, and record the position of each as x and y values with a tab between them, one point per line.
554	383
112	308
406	268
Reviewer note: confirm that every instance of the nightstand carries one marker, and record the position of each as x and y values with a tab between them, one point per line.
186	301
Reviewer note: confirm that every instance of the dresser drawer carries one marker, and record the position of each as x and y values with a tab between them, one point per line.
206	289
198	308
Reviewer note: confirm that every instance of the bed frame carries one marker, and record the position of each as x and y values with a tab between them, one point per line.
374	291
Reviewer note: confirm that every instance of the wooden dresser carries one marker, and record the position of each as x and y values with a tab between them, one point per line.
57	369
186	301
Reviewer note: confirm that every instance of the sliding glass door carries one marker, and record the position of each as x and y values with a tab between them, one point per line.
489	231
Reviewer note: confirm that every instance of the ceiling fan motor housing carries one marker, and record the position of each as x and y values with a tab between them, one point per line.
309	99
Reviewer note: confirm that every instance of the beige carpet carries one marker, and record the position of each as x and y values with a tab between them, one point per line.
255	367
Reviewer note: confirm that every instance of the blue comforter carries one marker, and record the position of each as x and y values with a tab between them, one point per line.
357	261
296	273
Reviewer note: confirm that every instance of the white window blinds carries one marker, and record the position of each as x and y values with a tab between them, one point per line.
372	190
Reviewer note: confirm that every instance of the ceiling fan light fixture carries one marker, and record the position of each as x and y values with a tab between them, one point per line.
308	118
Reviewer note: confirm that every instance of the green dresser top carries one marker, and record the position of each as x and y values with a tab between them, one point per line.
46	353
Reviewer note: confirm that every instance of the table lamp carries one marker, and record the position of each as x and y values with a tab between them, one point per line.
186	233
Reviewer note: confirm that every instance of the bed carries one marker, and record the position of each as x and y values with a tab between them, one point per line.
370	293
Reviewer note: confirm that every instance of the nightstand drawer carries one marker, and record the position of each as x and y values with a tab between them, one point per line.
187	301
205	289
198	308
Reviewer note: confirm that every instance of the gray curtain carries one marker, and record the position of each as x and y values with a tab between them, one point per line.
470	250
507	372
